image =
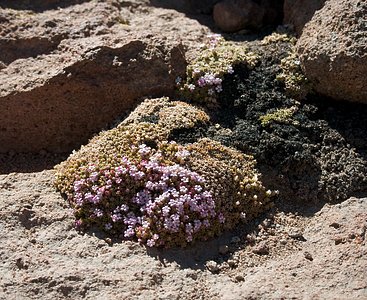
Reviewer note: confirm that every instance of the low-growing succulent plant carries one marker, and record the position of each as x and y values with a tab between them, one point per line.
159	204
276	37
205	74
295	82
282	115
133	183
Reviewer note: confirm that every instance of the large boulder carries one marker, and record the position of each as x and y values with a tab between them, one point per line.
298	12
333	50
57	101
234	15
24	33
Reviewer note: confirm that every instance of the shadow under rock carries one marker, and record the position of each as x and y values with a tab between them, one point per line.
38	5
348	119
187	6
29	162
202	12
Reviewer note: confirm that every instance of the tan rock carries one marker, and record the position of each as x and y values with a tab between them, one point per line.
298	12
57	101
333	50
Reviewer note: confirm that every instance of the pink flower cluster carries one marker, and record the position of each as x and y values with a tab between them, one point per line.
209	80
214	40
161	205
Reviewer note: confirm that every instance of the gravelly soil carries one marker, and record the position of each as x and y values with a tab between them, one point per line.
313	256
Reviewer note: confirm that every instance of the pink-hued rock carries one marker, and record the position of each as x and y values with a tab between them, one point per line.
333	50
298	12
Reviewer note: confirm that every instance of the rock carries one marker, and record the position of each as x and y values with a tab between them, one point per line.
308	255
296	234
2	65
233	263
283	242
27	35
333	50
261	249
212	266
239	278
56	102
234	15
298	12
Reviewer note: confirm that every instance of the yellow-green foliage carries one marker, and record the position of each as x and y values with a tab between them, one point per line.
233	180
219	57
296	83
223	180
283	115
205	73
278	37
169	115
107	149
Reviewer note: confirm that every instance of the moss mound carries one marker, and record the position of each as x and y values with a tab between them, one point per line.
134	182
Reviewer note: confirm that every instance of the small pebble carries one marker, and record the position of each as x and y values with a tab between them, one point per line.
308	255
239	278
295	234
223	249
261	249
251	238
212	266
192	274
232	263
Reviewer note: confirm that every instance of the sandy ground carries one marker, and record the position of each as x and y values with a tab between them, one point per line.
281	256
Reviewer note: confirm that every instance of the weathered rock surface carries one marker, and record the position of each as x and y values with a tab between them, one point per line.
24	33
234	15
56	102
67	73
298	12
333	50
